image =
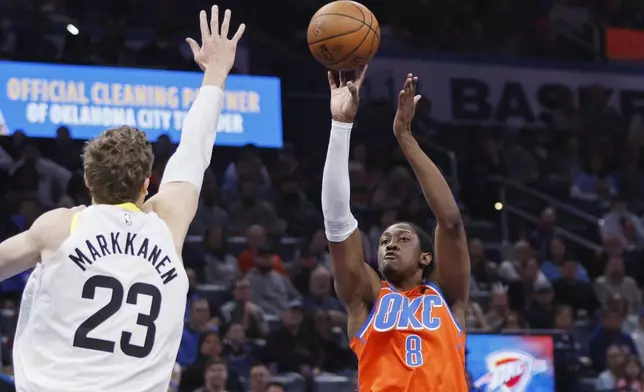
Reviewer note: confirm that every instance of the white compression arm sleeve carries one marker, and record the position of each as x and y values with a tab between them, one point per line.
198	133
339	223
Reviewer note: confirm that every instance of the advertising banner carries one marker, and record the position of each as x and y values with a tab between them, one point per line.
488	93
38	98
511	363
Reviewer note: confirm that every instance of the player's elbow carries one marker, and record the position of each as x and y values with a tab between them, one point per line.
451	223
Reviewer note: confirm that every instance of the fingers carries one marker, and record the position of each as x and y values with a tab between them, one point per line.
416	99
332	82
214	20
343	78
203	26
225	25
194	46
239	33
353	89
360	76
409	87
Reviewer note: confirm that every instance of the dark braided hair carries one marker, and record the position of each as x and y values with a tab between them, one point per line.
426	246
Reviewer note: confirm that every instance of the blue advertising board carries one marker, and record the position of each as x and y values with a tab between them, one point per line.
511	363
38	98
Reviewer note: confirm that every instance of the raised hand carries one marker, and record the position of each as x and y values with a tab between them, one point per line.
345	96
407	100
216	49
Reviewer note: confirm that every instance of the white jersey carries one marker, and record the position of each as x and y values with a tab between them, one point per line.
105	312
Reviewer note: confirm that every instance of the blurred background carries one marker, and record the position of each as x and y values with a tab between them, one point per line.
536	119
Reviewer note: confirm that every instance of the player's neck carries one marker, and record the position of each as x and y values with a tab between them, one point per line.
404	286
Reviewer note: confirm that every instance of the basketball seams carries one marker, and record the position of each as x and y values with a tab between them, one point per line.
354	49
339	34
364	17
346	16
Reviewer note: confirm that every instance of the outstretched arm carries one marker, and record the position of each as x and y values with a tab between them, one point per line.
354	280
452	256
178	196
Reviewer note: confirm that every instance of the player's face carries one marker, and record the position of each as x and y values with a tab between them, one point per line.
398	252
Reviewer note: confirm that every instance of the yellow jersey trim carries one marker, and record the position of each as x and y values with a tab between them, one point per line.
126	206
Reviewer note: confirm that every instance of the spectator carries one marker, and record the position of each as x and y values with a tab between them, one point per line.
255	239
594	185
361	191
608	334
545	230
335	357
251	210
210	212
614	281
193	294
509	270
551	268
272	291
293	206
198	323
567	350
631	381
318	246
615	358
483	271
248	167
500	308
613	224
475	318
569	290
210	348
638	336
513	322
215	375
541	312
521	292
321	297
275	387
52	179
293	347
221	268
259	378
300	272
243	311
238	350
397	191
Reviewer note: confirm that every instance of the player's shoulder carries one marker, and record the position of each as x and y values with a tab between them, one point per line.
54	225
53	219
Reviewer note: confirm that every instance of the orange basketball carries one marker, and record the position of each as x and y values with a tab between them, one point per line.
343	35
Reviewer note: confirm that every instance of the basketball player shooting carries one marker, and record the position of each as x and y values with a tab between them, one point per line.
103	309
406	330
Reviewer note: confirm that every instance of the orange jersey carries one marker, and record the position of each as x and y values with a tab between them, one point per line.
410	342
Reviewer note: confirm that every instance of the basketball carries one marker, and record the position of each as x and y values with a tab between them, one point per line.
343	35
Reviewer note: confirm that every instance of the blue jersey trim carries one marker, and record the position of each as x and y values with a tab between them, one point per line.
366	323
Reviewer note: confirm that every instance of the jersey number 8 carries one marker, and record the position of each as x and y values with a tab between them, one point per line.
118	293
413	351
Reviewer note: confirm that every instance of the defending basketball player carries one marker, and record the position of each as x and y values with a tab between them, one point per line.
406	330
104	308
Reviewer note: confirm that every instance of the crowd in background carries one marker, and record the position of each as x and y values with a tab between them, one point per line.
261	301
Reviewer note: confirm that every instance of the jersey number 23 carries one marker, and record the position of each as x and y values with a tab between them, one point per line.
81	338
